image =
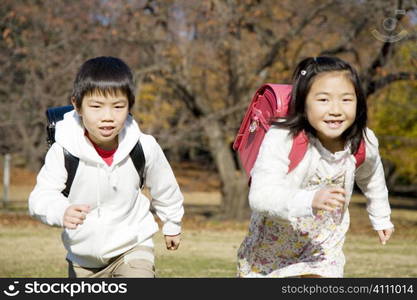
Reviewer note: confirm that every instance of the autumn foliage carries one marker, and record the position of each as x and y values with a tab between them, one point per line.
197	64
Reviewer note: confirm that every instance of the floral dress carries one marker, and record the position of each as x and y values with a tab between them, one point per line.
304	245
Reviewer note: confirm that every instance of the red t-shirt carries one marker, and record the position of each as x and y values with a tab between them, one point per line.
106	155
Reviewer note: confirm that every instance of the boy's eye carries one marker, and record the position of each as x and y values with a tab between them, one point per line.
94	106
120	106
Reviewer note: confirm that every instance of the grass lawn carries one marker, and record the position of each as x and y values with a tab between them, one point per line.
208	248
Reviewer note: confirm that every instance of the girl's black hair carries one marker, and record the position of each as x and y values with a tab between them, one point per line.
106	75
303	78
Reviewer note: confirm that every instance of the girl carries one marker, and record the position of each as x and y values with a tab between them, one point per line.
300	219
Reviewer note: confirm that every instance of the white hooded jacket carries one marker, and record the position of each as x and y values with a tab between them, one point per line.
279	195
119	216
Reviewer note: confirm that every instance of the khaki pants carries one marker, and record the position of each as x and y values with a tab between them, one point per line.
137	262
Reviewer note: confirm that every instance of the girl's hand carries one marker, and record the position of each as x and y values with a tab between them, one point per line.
384	235
75	215
172	241
329	198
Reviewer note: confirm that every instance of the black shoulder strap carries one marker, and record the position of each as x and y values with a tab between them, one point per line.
138	158
55	114
71	165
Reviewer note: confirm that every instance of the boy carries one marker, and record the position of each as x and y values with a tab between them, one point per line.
108	226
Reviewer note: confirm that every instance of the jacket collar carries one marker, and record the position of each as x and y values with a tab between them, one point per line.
70	135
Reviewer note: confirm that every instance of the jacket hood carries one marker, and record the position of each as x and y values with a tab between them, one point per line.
69	133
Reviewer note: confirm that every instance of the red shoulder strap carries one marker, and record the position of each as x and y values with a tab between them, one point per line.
298	150
300	145
360	155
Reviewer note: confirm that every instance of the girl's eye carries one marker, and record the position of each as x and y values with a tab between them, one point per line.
94	106
322	100
347	100
120	106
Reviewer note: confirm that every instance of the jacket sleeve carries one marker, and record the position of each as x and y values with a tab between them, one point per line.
46	202
272	192
371	180
167	198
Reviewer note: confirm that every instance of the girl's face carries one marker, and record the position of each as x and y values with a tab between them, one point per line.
104	117
331	108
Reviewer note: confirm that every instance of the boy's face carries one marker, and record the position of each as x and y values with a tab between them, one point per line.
103	117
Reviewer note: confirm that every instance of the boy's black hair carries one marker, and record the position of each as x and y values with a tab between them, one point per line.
106	75
303	78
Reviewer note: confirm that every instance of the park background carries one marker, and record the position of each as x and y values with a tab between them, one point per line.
196	66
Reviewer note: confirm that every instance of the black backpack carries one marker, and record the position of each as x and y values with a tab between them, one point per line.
56	114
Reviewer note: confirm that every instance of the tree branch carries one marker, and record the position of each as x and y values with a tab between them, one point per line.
381	58
271	56
375	85
187	96
343	46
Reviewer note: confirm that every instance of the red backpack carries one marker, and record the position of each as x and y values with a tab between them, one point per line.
270	102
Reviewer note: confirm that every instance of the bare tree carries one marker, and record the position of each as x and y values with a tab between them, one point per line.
204	59
218	52
42	45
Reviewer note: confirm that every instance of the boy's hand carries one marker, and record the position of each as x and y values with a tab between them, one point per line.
329	198
75	215
384	235
172	241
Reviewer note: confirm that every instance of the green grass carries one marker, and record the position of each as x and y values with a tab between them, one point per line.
365	257
36	251
208	247
200	267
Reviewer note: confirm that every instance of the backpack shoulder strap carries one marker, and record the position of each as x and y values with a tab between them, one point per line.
360	155
71	165
298	150
300	145
138	158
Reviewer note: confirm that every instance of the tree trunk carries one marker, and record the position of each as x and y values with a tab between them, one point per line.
234	188
390	173
235	199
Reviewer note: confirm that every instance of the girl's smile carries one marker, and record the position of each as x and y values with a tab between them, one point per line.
334	124
331	108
